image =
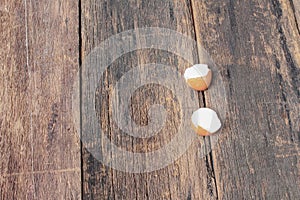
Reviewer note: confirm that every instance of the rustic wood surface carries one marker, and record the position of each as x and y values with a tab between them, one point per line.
40	152
256	45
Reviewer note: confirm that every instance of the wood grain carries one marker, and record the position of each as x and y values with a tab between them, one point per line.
39	144
189	177
15	134
53	63
257	44
256	48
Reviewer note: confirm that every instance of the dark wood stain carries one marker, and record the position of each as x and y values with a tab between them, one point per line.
52	122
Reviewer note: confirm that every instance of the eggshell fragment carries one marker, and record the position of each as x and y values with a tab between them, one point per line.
198	77
205	121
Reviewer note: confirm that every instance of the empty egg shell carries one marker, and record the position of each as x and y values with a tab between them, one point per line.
198	77
205	121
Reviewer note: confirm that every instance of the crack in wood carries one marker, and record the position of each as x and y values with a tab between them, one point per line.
42	172
209	166
80	57
294	13
189	197
293	70
285	104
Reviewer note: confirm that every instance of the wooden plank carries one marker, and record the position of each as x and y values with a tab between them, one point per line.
15	136
190	177
257	45
53	64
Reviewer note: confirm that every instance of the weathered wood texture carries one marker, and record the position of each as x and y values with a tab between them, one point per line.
40	151
53	61
184	178
257	46
15	137
255	43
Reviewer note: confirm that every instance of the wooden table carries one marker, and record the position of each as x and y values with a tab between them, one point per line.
255	44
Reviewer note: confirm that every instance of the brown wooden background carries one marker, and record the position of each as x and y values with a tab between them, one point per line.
255	42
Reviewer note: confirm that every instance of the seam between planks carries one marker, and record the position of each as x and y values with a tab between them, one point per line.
80	94
204	102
